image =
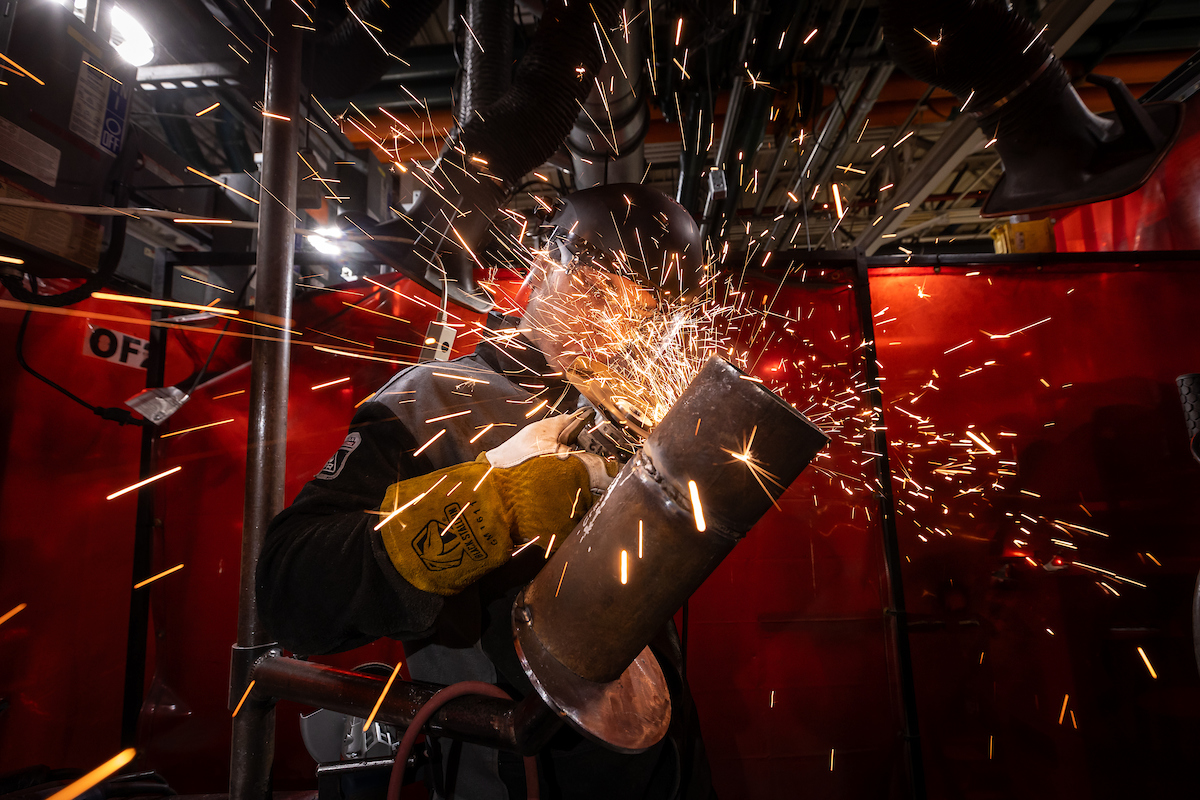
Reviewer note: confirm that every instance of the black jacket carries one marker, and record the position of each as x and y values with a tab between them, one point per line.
326	584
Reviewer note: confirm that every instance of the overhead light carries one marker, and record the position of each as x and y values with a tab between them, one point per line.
323	241
131	38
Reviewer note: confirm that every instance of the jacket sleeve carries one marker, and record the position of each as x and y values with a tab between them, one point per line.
324	581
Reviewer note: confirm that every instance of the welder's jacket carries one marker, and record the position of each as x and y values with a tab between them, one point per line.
326	583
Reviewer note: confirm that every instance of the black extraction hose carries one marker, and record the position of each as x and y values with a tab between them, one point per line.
352	57
529	122
487	55
492	151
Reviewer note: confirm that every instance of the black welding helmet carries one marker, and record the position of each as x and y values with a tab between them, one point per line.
633	231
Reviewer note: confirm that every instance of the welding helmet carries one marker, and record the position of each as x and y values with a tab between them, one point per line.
633	231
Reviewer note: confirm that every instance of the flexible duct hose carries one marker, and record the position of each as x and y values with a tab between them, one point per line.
528	123
487	55
491	151
428	710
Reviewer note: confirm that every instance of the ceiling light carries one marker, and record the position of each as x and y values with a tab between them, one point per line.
131	39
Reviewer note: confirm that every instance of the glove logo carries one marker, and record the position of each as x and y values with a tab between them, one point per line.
333	467
441	547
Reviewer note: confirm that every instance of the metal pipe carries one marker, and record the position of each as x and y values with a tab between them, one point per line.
854	78
706	475
897	614
253	748
522	726
143	544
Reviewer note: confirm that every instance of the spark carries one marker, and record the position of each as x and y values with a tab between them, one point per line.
449	416
11	260
162	574
837	201
1035	38
100	773
1109	573
932	42
280	117
625	566
16	610
641	532
481	480
197	280
1063	712
486	428
1149	666
150	301
575	502
678	31
560	578
810	36
23	71
102	72
458	377
201	221
140	484
550	545
436	436
697	509
229	394
981	443
383	694
1018	330
196	428
245	694
222	184
331	383
527	544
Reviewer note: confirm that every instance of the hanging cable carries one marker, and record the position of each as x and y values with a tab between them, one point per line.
121	416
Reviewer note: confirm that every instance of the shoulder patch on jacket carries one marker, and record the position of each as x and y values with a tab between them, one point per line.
333	467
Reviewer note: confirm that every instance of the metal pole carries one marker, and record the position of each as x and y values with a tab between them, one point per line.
143	537
898	629
253	747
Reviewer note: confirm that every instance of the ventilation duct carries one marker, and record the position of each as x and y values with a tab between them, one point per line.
492	151
606	143
1056	152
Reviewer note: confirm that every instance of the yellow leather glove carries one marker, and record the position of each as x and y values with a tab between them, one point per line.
445	530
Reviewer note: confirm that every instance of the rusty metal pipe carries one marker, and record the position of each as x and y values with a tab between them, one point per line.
583	621
519	726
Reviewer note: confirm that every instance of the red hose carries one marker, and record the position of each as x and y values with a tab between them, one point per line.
428	710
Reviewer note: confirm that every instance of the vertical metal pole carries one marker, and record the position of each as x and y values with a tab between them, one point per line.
143	544
253	747
898	628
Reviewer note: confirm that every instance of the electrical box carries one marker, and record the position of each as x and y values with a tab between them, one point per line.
62	127
1036	236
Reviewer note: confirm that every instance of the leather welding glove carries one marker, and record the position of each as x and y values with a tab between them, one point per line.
445	530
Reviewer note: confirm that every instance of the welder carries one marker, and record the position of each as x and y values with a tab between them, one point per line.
409	530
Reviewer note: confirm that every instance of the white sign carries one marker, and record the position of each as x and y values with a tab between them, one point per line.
117	347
